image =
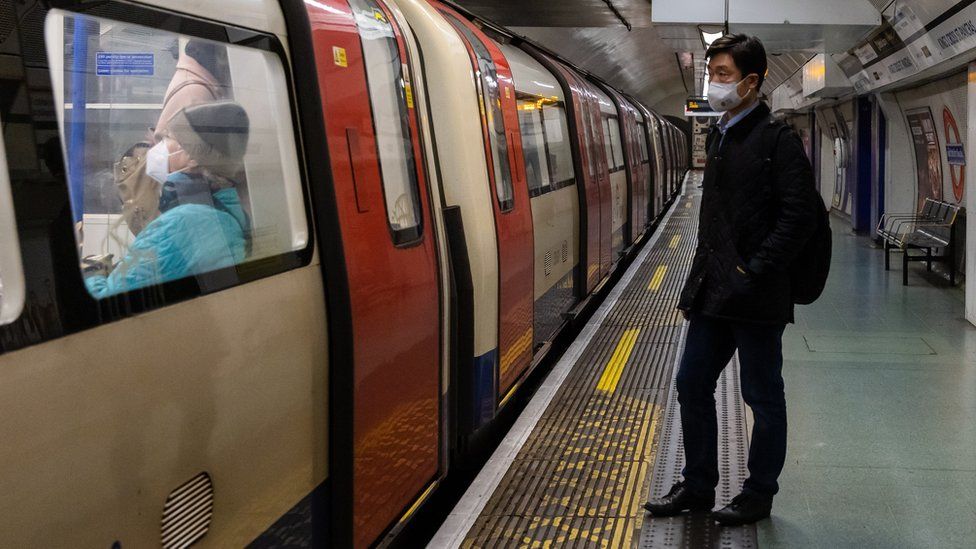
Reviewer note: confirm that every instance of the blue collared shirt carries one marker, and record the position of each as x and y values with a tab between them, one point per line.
724	125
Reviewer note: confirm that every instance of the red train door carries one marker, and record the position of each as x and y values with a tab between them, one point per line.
513	214
589	179
594	118
391	451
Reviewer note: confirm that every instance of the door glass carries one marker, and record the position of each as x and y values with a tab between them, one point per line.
391	99
491	108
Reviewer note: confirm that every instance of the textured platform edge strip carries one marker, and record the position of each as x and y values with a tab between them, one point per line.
469	508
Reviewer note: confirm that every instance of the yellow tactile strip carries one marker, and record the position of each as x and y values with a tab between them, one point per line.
580	478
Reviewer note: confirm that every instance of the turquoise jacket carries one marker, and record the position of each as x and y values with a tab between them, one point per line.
185	240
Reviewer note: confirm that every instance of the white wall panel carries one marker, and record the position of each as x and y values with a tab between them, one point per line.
899	160
971	201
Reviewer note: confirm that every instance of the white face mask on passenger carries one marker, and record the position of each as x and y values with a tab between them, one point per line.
724	97
157	162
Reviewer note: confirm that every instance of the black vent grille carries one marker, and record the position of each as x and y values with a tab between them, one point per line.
188	512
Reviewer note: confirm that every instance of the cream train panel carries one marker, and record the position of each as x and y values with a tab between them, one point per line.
132	409
261	15
461	150
555	218
434	183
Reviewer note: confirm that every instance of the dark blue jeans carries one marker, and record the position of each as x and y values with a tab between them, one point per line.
710	345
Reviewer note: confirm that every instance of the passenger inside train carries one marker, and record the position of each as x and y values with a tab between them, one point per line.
201	225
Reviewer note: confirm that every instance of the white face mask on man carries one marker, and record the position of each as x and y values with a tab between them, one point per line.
724	97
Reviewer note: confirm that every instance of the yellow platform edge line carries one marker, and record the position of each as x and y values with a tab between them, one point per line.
628	341
615	367
658	278
611	364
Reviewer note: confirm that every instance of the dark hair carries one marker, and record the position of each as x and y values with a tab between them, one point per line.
747	52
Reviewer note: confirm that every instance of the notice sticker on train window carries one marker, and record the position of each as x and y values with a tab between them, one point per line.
110	63
339	56
409	93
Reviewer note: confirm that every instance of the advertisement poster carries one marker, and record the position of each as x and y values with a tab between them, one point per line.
844	184
955	154
928	154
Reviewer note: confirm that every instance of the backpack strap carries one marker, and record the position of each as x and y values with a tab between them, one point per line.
769	140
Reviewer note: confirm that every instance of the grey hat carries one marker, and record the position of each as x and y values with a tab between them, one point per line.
214	135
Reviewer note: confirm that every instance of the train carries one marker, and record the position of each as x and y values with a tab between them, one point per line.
422	200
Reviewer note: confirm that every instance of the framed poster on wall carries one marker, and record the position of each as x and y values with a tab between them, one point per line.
928	154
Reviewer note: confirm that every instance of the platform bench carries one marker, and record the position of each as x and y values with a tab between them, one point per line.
933	228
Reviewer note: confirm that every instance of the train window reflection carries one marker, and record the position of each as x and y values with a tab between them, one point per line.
545	143
533	145
613	129
557	140
489	97
180	152
391	99
642	141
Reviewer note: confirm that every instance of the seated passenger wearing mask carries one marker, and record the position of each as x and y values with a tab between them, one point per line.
201	225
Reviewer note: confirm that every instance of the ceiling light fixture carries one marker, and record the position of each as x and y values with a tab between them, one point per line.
709	37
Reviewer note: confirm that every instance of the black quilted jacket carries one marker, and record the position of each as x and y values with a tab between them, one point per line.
758	209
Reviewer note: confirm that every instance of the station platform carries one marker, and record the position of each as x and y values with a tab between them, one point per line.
881	392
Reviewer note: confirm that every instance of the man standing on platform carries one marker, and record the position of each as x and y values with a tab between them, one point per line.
759	207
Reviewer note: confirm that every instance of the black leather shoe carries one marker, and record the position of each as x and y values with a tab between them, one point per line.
679	500
745	508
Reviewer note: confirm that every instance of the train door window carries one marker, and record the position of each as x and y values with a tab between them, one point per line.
391	99
490	101
589	135
642	141
533	143
607	142
558	145
181	156
618	152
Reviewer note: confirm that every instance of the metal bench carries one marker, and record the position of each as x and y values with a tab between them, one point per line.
933	228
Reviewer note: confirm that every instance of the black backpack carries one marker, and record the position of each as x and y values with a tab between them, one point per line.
808	273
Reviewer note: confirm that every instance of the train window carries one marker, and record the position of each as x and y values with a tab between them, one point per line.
181	156
608	143
545	143
491	109
558	145
533	144
642	141
590	135
391	99
618	152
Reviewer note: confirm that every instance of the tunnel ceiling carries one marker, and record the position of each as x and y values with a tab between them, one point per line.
653	62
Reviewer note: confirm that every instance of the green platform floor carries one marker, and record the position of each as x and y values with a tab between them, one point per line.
881	392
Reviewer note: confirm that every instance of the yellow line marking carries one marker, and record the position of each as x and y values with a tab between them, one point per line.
674	241
658	278
687	204
615	367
